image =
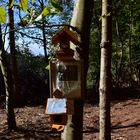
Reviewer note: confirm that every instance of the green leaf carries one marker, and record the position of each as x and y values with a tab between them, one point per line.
2	15
12	3
47	67
24	5
57	6
45	12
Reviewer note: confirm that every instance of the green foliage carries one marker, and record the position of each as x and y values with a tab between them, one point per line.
47	67
2	15
12	3
125	44
45	11
125	39
28	62
24	5
94	49
56	5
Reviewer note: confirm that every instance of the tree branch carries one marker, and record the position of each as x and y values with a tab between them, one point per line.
47	26
32	37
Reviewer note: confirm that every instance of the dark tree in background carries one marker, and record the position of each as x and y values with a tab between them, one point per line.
43	32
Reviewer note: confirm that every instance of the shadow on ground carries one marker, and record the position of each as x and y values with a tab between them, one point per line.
27	134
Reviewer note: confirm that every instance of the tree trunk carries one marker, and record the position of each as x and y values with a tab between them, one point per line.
13	51
105	71
8	86
81	20
43	33
119	63
44	41
130	44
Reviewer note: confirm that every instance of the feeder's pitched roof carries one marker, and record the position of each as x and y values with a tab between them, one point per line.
65	35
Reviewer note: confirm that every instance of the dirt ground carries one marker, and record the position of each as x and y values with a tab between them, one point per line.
34	124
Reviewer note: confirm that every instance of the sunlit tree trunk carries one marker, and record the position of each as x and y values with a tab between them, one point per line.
105	71
81	20
7	76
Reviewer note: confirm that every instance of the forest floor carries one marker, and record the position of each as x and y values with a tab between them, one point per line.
34	124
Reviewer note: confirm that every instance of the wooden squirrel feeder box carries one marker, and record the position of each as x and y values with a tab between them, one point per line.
66	75
65	72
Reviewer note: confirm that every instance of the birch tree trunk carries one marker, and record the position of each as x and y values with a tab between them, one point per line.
105	71
81	20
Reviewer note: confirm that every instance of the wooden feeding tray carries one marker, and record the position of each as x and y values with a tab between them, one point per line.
59	106
58	109
56	106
